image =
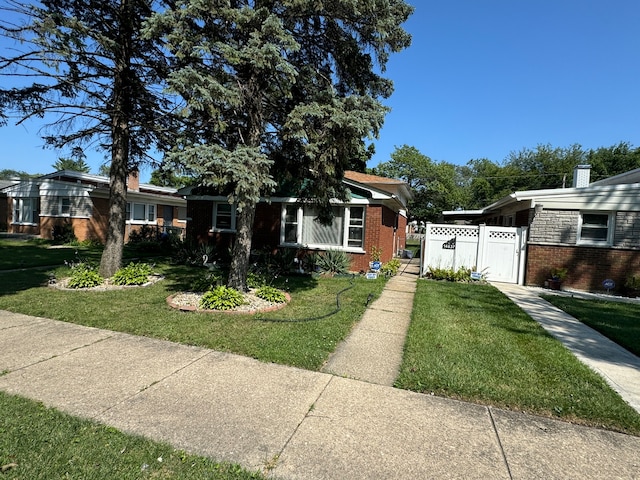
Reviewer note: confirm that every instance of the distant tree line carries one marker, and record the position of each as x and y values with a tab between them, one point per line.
440	185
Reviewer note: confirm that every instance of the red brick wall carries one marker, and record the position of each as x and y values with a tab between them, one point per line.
199	218
380	224
266	226
587	267
81	227
97	228
379	231
401	233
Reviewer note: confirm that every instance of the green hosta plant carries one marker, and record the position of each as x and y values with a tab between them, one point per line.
132	274
84	275
206	280
271	294
221	298
461	275
256	279
391	267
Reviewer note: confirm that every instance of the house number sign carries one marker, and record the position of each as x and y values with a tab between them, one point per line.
609	284
449	244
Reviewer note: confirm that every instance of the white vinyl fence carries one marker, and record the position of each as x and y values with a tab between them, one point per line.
496	252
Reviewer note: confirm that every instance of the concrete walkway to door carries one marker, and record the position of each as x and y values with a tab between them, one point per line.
373	351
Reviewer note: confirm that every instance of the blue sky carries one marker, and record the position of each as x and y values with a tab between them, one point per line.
486	78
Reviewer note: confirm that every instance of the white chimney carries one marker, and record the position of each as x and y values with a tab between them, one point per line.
581	176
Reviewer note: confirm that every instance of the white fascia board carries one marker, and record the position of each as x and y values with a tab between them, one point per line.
156	188
376	194
605	197
353	201
145	197
77	175
463	212
55	188
29	188
101	179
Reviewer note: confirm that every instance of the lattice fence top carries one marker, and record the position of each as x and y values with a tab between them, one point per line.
445	231
502	235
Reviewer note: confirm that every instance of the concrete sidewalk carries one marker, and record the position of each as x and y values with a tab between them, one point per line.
306	425
374	349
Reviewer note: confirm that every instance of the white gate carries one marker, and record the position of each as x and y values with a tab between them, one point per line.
496	252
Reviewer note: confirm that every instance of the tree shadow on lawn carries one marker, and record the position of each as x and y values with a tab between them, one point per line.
17	281
180	278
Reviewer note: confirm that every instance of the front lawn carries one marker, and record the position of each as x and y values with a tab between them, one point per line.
41	443
619	321
296	335
469	341
466	341
15	254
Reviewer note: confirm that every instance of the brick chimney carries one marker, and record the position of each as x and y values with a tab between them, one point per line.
581	176
133	181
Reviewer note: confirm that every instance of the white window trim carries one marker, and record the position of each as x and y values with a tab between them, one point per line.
184	218
345	234
610	229
146	220
20	209
58	210
347	225
214	219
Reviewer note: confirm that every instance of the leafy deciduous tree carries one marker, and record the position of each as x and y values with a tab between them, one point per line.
436	186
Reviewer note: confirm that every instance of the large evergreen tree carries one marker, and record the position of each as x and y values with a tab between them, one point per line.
278	91
84	67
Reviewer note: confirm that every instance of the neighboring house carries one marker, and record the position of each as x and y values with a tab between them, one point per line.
39	205
375	216
4	203
591	229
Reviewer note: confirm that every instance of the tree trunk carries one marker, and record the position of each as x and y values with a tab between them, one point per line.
120	136
111	259
242	248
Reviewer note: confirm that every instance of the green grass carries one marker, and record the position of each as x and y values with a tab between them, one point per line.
288	336
413	245
41	443
619	321
38	253
470	342
15	254
466	341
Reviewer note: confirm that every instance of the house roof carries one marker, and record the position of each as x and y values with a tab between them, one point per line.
101	180
398	189
70	180
386	190
614	193
632	176
7	183
366	178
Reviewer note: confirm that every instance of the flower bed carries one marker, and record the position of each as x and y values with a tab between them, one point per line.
189	301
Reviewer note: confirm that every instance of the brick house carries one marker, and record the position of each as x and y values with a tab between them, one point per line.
37	206
375	216
591	229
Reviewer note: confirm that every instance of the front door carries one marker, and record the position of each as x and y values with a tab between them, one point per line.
167	215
